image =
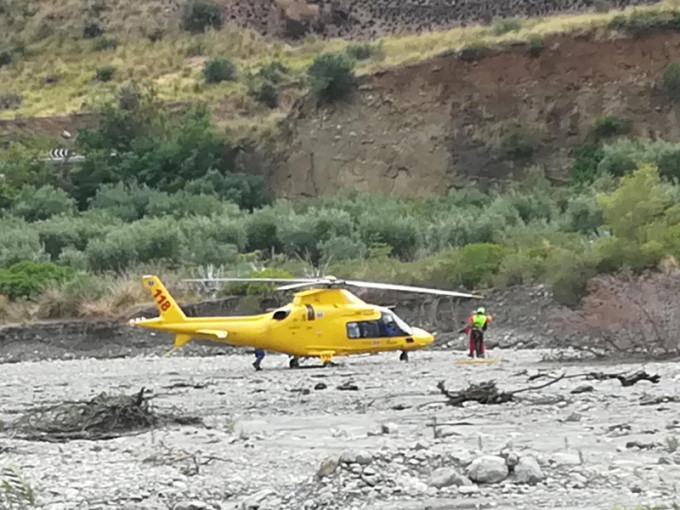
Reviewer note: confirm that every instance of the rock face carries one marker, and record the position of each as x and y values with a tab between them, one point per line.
488	469
370	18
448	122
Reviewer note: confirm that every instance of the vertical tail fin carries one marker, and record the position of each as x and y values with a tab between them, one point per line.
168	309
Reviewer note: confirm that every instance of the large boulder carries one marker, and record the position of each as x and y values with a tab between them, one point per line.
528	471
488	469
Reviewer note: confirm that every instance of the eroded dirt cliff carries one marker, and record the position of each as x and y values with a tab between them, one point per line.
469	116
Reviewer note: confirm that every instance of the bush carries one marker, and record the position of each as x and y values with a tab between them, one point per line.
504	25
105	74
399	233
104	43
266	94
364	51
129	97
182	204
331	75
92	29
518	144
569	274
536	45
602	6
127	202
219	69
43	203
341	248
587	159
10	101
224	231
19	242
6	57
28	279
262	229
273	72
476	263
199	15
607	127
670	80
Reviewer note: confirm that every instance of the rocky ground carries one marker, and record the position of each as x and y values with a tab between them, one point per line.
282	439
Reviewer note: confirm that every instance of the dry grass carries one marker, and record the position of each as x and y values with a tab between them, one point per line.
173	65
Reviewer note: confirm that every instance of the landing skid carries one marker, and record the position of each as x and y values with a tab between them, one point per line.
294	364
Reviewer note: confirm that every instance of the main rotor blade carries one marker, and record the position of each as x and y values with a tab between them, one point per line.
408	288
252	280
299	285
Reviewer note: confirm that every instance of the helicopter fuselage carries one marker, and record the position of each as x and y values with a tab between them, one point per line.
317	323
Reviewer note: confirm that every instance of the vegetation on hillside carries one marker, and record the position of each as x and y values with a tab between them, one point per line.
173	196
56	57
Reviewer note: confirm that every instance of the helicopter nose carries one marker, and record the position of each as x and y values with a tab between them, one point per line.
422	338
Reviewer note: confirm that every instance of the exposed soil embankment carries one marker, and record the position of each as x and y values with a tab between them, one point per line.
519	318
479	115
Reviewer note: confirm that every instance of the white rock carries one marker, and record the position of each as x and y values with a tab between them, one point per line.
528	471
488	469
328	467
468	489
446	477
192	505
364	458
390	428
566	459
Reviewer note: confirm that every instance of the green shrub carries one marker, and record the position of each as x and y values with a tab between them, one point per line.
266	94
518	269
199	15
568	275
331	75
182	204
476	263
20	242
6	57
670	80
10	101
400	233
365	51
642	22
92	29
105	73
341	248
582	215
587	159
128	97
273	72
262	229
606	127
256	289
42	203
536	45
211	252
115	252
474	52
219	69
74	258
104	43
518	144
27	279
247	191
127	202
223	230
504	25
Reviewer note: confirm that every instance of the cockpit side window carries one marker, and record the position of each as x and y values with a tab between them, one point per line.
353	330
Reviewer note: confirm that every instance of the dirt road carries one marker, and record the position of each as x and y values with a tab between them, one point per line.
269	433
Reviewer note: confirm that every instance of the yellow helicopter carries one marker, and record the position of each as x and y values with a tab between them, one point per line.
323	321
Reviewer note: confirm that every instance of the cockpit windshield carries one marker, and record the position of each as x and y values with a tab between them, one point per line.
392	320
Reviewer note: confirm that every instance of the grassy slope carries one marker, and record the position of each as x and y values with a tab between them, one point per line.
168	65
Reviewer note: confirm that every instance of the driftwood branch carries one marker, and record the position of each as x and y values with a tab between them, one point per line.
625	380
486	393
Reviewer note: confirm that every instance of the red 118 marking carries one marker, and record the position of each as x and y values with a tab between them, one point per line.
161	300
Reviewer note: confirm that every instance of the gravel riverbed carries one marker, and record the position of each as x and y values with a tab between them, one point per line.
354	436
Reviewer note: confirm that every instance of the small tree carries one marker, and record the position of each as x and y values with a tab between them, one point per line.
219	69
105	73
199	15
331	75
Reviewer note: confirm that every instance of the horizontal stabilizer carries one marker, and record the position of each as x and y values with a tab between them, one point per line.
217	333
